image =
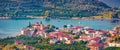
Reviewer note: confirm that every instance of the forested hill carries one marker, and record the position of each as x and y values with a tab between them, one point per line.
67	8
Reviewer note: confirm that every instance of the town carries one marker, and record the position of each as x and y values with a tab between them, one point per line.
60	25
94	39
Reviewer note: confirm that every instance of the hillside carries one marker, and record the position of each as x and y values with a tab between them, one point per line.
112	3
64	8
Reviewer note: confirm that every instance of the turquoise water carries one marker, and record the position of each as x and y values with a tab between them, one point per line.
12	27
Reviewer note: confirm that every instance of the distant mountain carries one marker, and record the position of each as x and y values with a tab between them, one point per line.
112	3
67	8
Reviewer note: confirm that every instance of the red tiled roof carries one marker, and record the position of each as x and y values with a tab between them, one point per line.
91	31
103	31
29	47
84	37
78	27
89	28
97	45
37	24
114	33
67	36
112	36
18	41
96	39
59	33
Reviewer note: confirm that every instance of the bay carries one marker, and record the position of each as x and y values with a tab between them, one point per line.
12	27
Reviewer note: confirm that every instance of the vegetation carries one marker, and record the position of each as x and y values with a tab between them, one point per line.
50	28
116	39
53	8
112	48
39	43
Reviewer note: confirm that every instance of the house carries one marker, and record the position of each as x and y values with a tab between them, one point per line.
21	32
59	35
41	33
117	28
41	27
68	29
35	30
77	29
108	40
96	46
69	42
112	32
36	25
91	33
103	31
87	31
114	44
94	40
19	42
97	39
53	41
27	31
67	37
86	28
27	47
84	37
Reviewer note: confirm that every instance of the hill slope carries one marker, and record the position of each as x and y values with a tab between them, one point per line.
67	8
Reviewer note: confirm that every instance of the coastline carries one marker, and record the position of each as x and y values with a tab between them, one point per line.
4	18
73	18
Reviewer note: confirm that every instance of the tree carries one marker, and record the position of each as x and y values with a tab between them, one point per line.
77	37
112	48
116	15
65	26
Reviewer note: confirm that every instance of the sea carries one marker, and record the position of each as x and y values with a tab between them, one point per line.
12	27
